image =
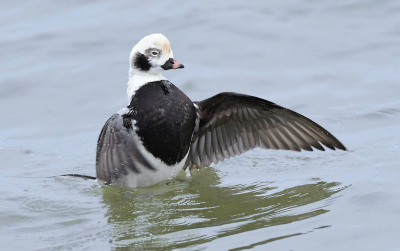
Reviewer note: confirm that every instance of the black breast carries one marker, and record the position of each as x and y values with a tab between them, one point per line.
165	119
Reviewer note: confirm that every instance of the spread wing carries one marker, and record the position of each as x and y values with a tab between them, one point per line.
117	150
231	124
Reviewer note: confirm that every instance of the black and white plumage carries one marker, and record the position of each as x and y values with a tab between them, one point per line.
162	131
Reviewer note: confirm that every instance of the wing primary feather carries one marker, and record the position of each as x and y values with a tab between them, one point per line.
114	171
194	150
264	140
279	139
246	141
238	135
113	160
274	144
240	143
281	144
214	139
214	158
221	140
236	149
319	137
310	139
227	140
201	153
127	160
208	144
288	139
233	134
221	156
254	134
299	139
326	138
251	139
231	130
226	154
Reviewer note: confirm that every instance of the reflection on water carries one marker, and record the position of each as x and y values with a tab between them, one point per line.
183	213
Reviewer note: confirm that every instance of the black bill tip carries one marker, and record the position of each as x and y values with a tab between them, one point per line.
172	64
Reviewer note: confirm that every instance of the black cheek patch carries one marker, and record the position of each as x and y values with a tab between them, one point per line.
141	62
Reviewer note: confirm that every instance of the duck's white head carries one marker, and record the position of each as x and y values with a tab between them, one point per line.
152	55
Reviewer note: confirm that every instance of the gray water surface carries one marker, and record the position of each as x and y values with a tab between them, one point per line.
63	73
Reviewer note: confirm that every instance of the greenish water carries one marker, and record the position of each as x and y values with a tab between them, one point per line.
198	210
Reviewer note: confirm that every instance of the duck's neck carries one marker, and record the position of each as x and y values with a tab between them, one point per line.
139	79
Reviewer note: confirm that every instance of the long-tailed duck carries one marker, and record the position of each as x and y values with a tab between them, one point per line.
162	131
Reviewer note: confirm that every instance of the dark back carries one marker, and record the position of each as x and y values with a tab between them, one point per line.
165	120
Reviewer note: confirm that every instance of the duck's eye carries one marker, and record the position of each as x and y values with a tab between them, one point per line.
155	53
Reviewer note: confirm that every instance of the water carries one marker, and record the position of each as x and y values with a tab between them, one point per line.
64	70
